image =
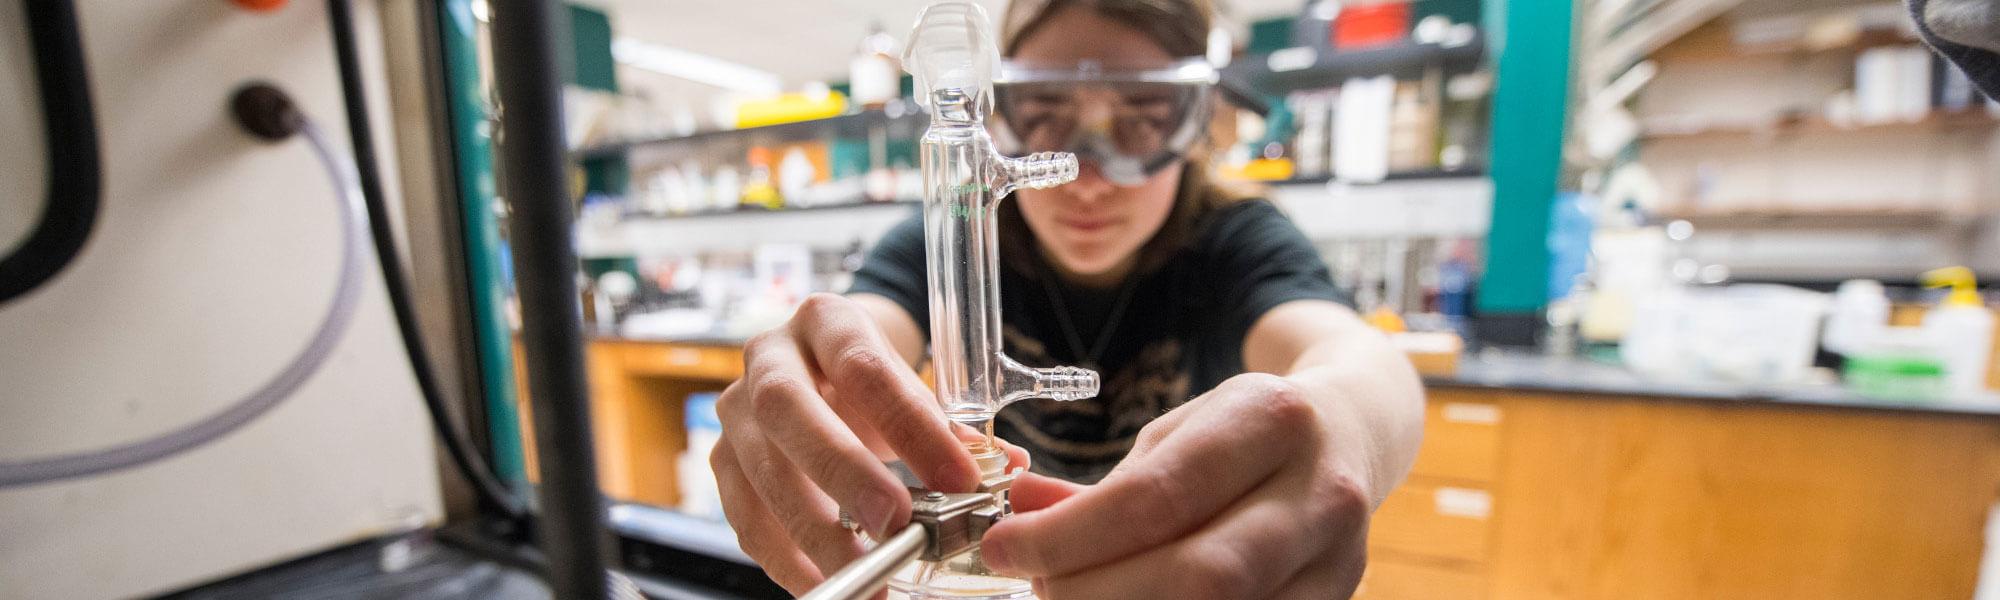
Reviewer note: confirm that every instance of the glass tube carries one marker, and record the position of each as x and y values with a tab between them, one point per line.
952	56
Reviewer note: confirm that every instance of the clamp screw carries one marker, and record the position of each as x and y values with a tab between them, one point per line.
934	496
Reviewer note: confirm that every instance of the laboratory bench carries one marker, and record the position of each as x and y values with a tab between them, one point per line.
1558	478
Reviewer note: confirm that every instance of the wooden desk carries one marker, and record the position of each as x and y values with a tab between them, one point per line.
1550	495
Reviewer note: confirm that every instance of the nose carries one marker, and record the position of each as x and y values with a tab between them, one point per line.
1090	185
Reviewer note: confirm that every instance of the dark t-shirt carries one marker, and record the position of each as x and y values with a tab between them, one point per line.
1178	335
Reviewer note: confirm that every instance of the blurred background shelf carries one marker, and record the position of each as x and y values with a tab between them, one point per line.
1724	40
1666	128
1828	219
1302	68
854	124
752	211
1468	171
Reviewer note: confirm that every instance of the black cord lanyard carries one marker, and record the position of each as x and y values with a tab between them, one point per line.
1111	321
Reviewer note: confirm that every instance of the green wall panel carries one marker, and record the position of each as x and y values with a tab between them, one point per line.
590	36
1529	112
472	150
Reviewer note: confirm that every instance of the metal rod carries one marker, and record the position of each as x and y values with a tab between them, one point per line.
528	72
869	573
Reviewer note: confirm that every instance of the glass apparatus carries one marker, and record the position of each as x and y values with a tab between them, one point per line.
952	54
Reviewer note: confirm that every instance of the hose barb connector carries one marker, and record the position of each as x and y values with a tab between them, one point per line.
1038	171
1054	383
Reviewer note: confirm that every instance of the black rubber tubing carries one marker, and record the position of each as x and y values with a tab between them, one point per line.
491	492
69	130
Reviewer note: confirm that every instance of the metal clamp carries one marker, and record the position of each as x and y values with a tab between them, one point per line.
941	526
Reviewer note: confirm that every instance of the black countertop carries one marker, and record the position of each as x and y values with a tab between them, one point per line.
1523	371
1572	375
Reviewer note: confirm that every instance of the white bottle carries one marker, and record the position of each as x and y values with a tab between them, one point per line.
1860	313
873	77
1962	329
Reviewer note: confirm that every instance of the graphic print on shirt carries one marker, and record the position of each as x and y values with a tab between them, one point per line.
1081	440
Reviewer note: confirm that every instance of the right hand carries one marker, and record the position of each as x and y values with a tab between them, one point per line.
823	401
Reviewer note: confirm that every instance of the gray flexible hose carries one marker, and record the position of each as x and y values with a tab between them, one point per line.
346	294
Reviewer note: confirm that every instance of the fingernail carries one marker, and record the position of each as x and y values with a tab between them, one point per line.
875	513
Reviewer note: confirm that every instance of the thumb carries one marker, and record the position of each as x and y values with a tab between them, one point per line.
1033	492
1017	457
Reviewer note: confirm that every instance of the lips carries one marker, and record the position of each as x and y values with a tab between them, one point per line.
1087	225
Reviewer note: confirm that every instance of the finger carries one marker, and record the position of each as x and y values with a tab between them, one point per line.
848	349
757	530
811	519
1334	575
813	439
1193	474
1017	457
1251	550
1033	492
844	406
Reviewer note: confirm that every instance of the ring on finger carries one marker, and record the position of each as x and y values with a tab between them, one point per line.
848	523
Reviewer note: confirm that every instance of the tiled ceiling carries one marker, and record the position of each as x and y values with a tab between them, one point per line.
799	40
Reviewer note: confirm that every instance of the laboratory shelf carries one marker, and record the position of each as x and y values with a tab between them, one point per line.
753	211
854	124
1414	175
1941	121
1896	216
1304	68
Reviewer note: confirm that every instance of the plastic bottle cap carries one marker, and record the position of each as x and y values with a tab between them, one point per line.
1964	285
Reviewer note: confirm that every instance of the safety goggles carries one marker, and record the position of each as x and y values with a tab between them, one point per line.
1131	123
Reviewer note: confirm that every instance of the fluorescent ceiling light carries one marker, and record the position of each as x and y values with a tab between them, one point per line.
691	66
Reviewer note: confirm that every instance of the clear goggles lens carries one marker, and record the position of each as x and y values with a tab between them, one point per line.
1130	124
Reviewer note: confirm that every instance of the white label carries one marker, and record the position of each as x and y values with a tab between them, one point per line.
1291	59
1466	412
683	357
1463	502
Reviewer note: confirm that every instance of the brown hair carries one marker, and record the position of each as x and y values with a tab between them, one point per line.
1181	28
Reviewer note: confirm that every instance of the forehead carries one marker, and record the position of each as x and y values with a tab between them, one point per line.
1075	34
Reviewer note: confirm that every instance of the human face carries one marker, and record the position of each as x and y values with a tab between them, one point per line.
1092	229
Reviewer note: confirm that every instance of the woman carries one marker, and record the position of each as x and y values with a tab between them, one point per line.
1248	422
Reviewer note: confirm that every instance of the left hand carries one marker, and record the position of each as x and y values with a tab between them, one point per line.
1253	490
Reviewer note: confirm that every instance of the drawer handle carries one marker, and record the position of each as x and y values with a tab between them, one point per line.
1472	414
1463	502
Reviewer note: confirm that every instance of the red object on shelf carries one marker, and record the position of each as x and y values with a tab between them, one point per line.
260	5
1364	25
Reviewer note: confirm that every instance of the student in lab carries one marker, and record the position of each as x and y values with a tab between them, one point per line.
1248	424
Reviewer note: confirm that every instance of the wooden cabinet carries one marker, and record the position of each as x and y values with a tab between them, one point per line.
1544	496
1432	537
1433	520
1551	497
638	394
1395	579
1643	498
1461	437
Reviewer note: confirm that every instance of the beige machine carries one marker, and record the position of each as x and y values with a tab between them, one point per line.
213	257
